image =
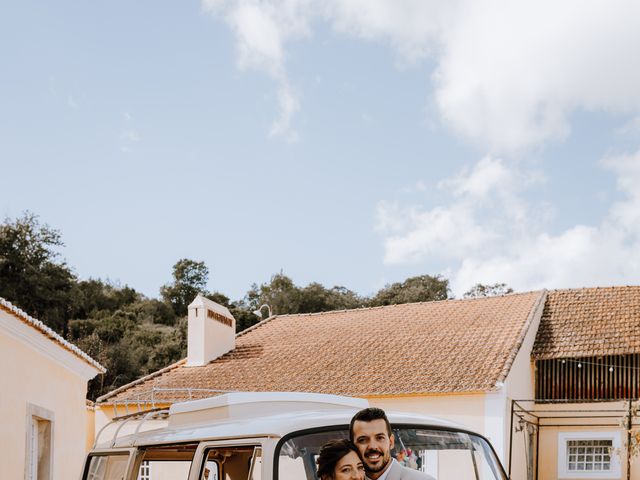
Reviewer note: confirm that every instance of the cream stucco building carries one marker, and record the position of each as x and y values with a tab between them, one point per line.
461	360
45	417
542	375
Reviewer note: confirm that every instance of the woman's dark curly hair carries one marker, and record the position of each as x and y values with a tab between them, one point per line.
330	454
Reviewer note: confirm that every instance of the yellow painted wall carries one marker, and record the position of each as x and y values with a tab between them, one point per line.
467	410
548	453
29	376
91	427
548	467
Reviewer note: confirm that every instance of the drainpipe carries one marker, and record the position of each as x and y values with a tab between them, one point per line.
629	420
511	436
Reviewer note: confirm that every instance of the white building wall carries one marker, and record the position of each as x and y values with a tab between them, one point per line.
519	385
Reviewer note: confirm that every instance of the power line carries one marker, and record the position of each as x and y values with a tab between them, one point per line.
610	367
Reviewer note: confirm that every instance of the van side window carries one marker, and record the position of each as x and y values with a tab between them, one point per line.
106	467
171	461
232	463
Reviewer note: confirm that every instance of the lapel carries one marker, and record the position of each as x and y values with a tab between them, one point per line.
395	471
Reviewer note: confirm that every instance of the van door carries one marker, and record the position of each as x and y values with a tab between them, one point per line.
237	460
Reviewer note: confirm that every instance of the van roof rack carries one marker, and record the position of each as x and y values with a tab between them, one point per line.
143	416
162	396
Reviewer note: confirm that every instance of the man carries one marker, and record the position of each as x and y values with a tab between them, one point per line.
370	431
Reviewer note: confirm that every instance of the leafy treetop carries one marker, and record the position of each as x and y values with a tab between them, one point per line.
481	290
189	279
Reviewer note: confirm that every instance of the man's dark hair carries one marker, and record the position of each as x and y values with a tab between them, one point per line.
368	415
330	455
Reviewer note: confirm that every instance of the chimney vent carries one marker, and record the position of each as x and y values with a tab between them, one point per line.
211	331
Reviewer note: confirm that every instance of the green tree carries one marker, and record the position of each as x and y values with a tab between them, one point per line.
94	295
316	298
244	318
32	276
284	297
189	279
129	343
481	290
423	288
281	294
152	311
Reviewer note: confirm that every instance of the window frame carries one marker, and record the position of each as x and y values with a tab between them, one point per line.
146	466
129	452
199	458
36	414
563	468
138	457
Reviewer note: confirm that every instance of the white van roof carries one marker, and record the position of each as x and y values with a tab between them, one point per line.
257	414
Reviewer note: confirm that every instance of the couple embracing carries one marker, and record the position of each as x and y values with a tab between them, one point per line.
368	451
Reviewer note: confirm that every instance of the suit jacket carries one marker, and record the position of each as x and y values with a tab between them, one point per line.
398	472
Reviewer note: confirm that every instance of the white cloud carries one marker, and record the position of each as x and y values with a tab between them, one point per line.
419	234
261	29
483	238
128	135
413	27
289	105
488	175
626	214
508	75
632	127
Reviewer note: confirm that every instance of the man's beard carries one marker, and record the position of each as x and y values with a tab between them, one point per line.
385	461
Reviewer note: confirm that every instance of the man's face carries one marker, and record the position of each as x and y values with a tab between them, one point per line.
374	444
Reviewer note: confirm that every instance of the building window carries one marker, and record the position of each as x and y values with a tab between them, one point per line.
588	455
39	454
145	471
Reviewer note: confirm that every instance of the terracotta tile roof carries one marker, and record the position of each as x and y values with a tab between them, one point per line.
53	336
589	322
433	347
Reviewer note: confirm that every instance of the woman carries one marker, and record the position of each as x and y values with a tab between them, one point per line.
339	460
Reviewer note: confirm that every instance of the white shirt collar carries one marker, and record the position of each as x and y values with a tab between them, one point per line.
386	472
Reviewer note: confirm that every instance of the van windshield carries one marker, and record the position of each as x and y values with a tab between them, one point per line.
442	454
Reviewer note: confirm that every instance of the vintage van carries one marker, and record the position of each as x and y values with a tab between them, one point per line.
271	436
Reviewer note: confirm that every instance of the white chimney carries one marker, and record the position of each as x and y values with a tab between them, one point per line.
211	331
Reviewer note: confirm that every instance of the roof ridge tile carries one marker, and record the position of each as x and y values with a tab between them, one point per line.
426	302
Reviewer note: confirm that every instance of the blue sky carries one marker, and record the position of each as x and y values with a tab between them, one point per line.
348	142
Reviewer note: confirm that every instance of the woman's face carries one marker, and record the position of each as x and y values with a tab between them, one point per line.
349	467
